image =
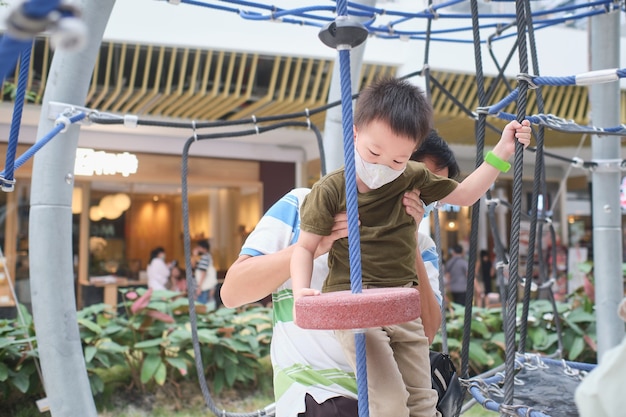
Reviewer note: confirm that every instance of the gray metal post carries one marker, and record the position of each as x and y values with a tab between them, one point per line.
333	130
606	212
50	228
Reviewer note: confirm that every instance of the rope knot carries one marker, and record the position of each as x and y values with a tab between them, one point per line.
529	79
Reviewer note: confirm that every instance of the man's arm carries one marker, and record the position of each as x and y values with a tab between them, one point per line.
429	304
431	310
250	278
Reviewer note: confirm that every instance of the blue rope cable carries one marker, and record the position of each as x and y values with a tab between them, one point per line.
352	209
10	50
16	120
44	140
318	16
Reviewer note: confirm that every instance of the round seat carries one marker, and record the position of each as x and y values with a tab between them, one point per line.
374	307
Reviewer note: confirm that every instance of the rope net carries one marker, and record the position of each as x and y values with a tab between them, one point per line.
543	387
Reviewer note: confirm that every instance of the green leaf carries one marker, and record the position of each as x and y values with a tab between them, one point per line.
21	381
150	365
178	363
230	373
90	352
96	383
580	316
110	346
479	355
480	328
161	374
576	348
4	372
148	343
90	325
208	336
103	358
218	382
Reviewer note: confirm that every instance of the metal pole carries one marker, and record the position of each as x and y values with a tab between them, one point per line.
606	212
50	228
333	130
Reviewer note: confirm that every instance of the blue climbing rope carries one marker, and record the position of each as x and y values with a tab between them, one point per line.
7	179
58	128
399	24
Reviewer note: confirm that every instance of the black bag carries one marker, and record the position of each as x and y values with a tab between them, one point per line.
446	382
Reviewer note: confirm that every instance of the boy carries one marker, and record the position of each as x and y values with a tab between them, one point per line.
392	118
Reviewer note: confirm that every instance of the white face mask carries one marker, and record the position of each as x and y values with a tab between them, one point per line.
374	175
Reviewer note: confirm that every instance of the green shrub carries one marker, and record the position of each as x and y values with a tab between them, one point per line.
152	341
487	342
18	373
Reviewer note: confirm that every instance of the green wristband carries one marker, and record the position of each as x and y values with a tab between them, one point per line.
496	162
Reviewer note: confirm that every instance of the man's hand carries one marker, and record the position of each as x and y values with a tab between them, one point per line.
414	205
339	231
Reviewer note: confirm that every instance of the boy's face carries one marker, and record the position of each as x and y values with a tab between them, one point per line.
377	144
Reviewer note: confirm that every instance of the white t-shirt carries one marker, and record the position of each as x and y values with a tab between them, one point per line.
158	274
307	361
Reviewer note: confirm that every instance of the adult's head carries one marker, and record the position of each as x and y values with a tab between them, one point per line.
204	246
435	153
457	249
157	252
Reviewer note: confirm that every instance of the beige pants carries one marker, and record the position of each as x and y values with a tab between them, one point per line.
398	370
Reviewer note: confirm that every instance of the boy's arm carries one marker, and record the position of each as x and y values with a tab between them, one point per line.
479	181
301	265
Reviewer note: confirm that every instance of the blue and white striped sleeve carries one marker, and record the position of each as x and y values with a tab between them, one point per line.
278	228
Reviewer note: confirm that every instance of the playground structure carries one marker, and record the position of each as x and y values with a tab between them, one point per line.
49	202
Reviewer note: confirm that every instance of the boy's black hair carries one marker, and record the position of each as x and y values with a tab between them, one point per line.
204	244
437	149
398	103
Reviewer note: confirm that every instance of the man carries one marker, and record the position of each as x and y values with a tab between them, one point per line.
205	274
456	275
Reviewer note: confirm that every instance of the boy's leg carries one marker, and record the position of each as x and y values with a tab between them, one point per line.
386	390
411	352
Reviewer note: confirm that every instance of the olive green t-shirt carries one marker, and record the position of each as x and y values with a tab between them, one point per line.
387	233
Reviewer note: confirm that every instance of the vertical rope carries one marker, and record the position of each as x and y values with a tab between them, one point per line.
480	144
444	328
352	209
538	188
518	168
16	120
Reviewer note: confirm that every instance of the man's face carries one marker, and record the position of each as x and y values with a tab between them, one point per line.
377	144
431	165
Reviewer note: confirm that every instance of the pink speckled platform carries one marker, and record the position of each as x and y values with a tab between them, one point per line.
343	310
